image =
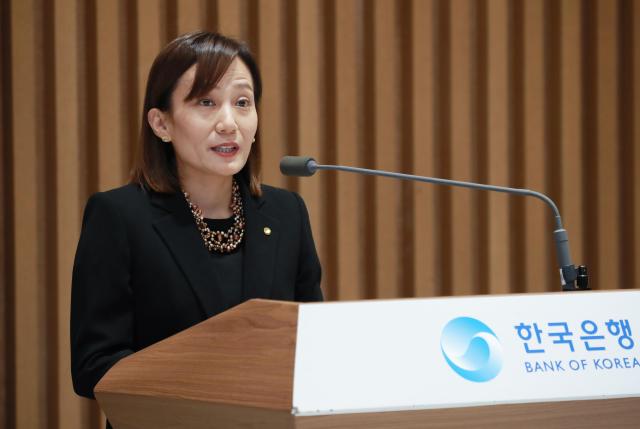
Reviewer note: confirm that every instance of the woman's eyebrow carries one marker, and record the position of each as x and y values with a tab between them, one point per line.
241	85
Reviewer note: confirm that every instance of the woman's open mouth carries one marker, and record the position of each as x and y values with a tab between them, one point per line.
226	149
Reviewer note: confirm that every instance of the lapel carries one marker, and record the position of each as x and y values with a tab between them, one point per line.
259	249
178	231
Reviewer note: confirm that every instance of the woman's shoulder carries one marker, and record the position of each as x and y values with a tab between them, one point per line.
280	196
269	191
127	197
283	203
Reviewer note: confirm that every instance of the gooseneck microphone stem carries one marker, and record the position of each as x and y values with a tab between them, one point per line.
313	165
305	166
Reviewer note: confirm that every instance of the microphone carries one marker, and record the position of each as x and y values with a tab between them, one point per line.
306	166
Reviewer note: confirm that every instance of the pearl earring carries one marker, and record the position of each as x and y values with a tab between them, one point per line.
166	139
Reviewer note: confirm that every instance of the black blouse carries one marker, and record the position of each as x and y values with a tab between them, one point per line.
227	266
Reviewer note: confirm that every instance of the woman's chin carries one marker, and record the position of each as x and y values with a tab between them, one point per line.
228	169
213	168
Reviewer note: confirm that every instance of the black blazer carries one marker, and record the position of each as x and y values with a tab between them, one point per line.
142	272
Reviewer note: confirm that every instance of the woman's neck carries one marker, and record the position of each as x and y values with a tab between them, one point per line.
212	195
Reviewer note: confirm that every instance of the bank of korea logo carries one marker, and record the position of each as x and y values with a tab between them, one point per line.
471	349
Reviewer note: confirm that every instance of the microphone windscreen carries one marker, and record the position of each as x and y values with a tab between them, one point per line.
296	166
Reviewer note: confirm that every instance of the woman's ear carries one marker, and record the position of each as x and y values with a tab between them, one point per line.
159	124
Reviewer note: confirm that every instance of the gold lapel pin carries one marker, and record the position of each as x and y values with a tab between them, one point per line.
267	231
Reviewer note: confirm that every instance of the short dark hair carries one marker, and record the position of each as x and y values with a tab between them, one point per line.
155	166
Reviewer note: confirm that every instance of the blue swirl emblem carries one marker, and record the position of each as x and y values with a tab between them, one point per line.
471	349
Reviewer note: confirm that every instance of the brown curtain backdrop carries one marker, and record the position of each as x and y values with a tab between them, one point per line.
542	94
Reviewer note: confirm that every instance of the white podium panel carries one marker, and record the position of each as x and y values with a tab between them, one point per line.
408	354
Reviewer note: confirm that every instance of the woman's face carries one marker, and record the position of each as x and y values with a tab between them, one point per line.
212	135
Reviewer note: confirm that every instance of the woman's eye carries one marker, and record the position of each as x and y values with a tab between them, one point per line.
207	102
244	102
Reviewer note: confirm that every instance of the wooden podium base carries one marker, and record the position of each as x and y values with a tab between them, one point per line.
167	413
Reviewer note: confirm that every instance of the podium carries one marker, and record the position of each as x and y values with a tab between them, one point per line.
482	362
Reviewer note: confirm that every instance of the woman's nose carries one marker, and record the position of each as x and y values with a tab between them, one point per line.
226	122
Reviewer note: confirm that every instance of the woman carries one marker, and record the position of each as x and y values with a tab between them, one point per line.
194	233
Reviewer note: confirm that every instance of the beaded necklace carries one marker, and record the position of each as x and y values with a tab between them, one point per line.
221	241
